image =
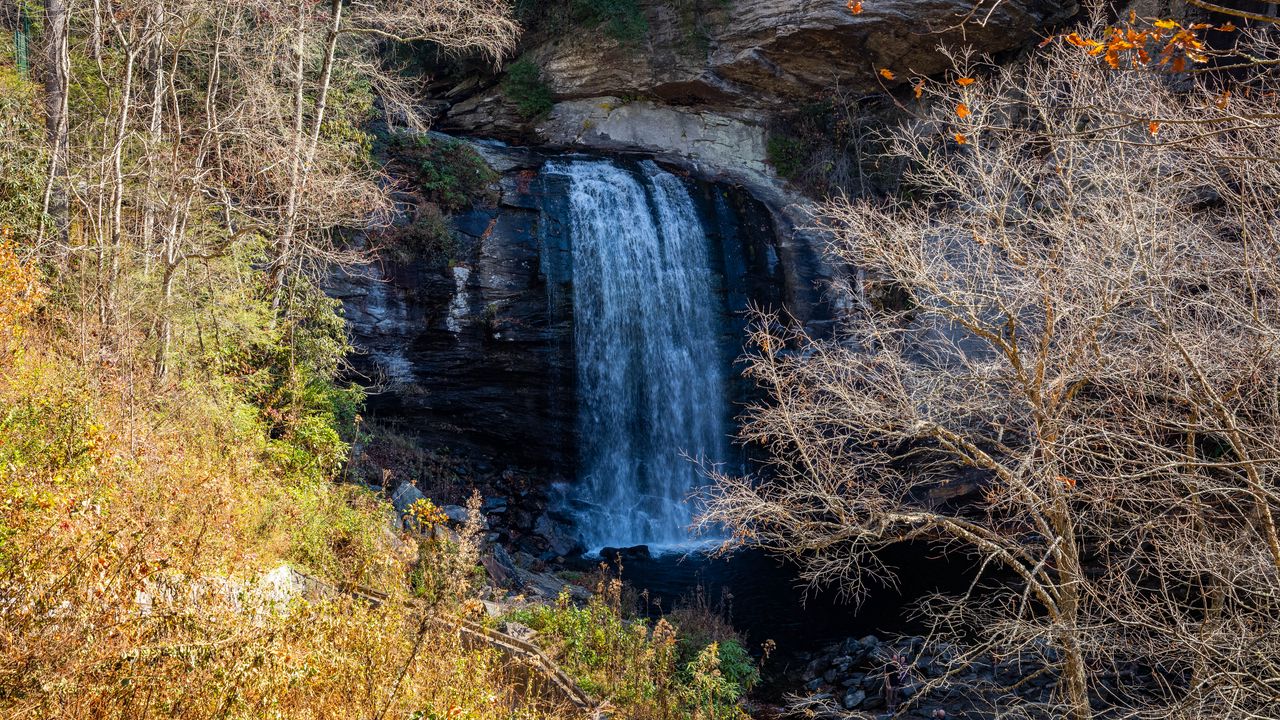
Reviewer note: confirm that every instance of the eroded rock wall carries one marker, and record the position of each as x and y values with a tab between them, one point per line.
712	74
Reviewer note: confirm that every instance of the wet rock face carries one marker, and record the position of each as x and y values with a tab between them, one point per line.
466	351
473	353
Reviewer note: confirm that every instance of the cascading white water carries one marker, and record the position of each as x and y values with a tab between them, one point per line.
651	386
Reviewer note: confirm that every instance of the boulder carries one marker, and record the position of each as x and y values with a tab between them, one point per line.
518	630
853	699
559	536
456	513
405	496
626	554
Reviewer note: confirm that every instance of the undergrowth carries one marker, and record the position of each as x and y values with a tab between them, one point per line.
523	86
655	671
450	173
142	529
21	154
621	20
451	177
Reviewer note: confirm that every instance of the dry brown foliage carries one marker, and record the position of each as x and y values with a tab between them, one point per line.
142	535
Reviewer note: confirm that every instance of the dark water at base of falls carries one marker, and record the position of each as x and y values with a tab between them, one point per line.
763	599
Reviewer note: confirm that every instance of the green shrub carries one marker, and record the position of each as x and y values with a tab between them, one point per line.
287	371
450	172
22	155
653	671
737	666
524	87
430	238
788	155
623	20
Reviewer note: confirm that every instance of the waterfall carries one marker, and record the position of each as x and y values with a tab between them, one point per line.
651	386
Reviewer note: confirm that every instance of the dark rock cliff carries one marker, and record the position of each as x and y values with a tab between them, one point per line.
474	352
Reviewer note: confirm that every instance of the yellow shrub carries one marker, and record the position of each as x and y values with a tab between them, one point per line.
20	291
134	523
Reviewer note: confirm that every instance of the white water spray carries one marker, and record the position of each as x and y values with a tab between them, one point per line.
651	386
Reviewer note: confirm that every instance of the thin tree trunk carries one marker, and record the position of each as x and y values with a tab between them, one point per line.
304	157
1073	660
57	72
284	244
111	282
155	128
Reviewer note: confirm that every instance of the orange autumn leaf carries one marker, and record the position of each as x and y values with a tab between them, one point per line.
1166	24
964	81
961	139
1069	482
919	88
887	74
855	7
1154	127
962	111
1223	100
1075	39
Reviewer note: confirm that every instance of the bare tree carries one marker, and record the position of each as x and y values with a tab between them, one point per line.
454	25
218	127
1078	311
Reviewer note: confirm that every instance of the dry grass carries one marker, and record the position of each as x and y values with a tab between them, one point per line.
111	490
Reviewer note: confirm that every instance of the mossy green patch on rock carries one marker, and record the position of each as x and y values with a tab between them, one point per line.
450	172
524	87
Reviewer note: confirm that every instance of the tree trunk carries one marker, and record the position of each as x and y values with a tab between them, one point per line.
1070	578
57	71
110	283
304	157
156	63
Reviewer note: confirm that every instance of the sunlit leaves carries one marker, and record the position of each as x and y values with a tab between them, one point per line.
1164	43
20	289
